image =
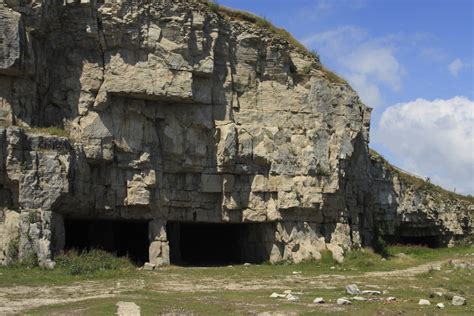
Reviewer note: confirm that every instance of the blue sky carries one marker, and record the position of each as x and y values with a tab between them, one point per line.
410	60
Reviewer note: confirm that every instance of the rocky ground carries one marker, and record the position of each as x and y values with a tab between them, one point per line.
365	283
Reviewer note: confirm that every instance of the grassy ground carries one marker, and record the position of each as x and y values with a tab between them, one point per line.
236	290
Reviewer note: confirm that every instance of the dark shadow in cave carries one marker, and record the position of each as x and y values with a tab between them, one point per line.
123	238
209	244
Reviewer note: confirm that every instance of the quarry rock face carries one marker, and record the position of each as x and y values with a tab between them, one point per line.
169	114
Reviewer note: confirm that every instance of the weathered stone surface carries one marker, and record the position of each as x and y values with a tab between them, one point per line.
318	300
353	289
343	301
175	113
148	266
458	300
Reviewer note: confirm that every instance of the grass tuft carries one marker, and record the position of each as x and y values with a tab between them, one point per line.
52	130
91	262
213	6
419	184
332	76
261	22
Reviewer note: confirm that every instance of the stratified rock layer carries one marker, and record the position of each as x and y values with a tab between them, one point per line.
174	113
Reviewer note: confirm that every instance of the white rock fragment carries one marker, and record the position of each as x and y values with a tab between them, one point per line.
149	266
371	292
440	305
292	298
318	300
458	300
276	295
353	289
343	301
48	264
423	302
391	298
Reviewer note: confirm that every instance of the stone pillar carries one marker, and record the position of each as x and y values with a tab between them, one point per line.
159	251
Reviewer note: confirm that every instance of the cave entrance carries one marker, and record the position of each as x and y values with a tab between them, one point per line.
209	244
423	241
123	238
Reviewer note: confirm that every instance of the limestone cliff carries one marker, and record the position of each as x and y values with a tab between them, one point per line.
171	112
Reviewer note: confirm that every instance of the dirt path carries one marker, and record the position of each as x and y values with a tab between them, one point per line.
128	309
22	298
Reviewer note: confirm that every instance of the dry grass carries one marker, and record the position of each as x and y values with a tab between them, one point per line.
52	130
333	77
262	22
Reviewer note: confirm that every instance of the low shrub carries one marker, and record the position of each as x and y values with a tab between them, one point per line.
91	262
214	6
52	130
362	258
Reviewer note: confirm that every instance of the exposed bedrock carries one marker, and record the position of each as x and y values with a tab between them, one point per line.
166	114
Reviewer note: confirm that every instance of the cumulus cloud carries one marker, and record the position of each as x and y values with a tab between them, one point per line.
432	138
368	91
376	62
318	9
432	53
367	63
336	39
455	67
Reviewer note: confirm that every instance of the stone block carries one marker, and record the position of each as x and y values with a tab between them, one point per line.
211	183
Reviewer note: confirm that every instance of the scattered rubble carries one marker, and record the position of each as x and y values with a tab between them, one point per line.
424	302
458	300
353	289
149	266
343	301
319	300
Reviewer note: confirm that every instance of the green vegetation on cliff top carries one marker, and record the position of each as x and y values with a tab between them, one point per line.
262	22
418	183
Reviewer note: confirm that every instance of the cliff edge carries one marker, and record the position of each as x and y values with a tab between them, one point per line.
178	114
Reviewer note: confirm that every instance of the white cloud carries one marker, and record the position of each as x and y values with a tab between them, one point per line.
377	62
432	53
325	9
432	138
455	67
340	38
368	92
367	63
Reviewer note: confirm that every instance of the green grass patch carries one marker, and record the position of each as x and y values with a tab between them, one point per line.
262	22
333	77
213	6
52	130
419	184
92	262
171	289
70	267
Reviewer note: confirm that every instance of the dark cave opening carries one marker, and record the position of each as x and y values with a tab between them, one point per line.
416	238
424	241
123	238
209	244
